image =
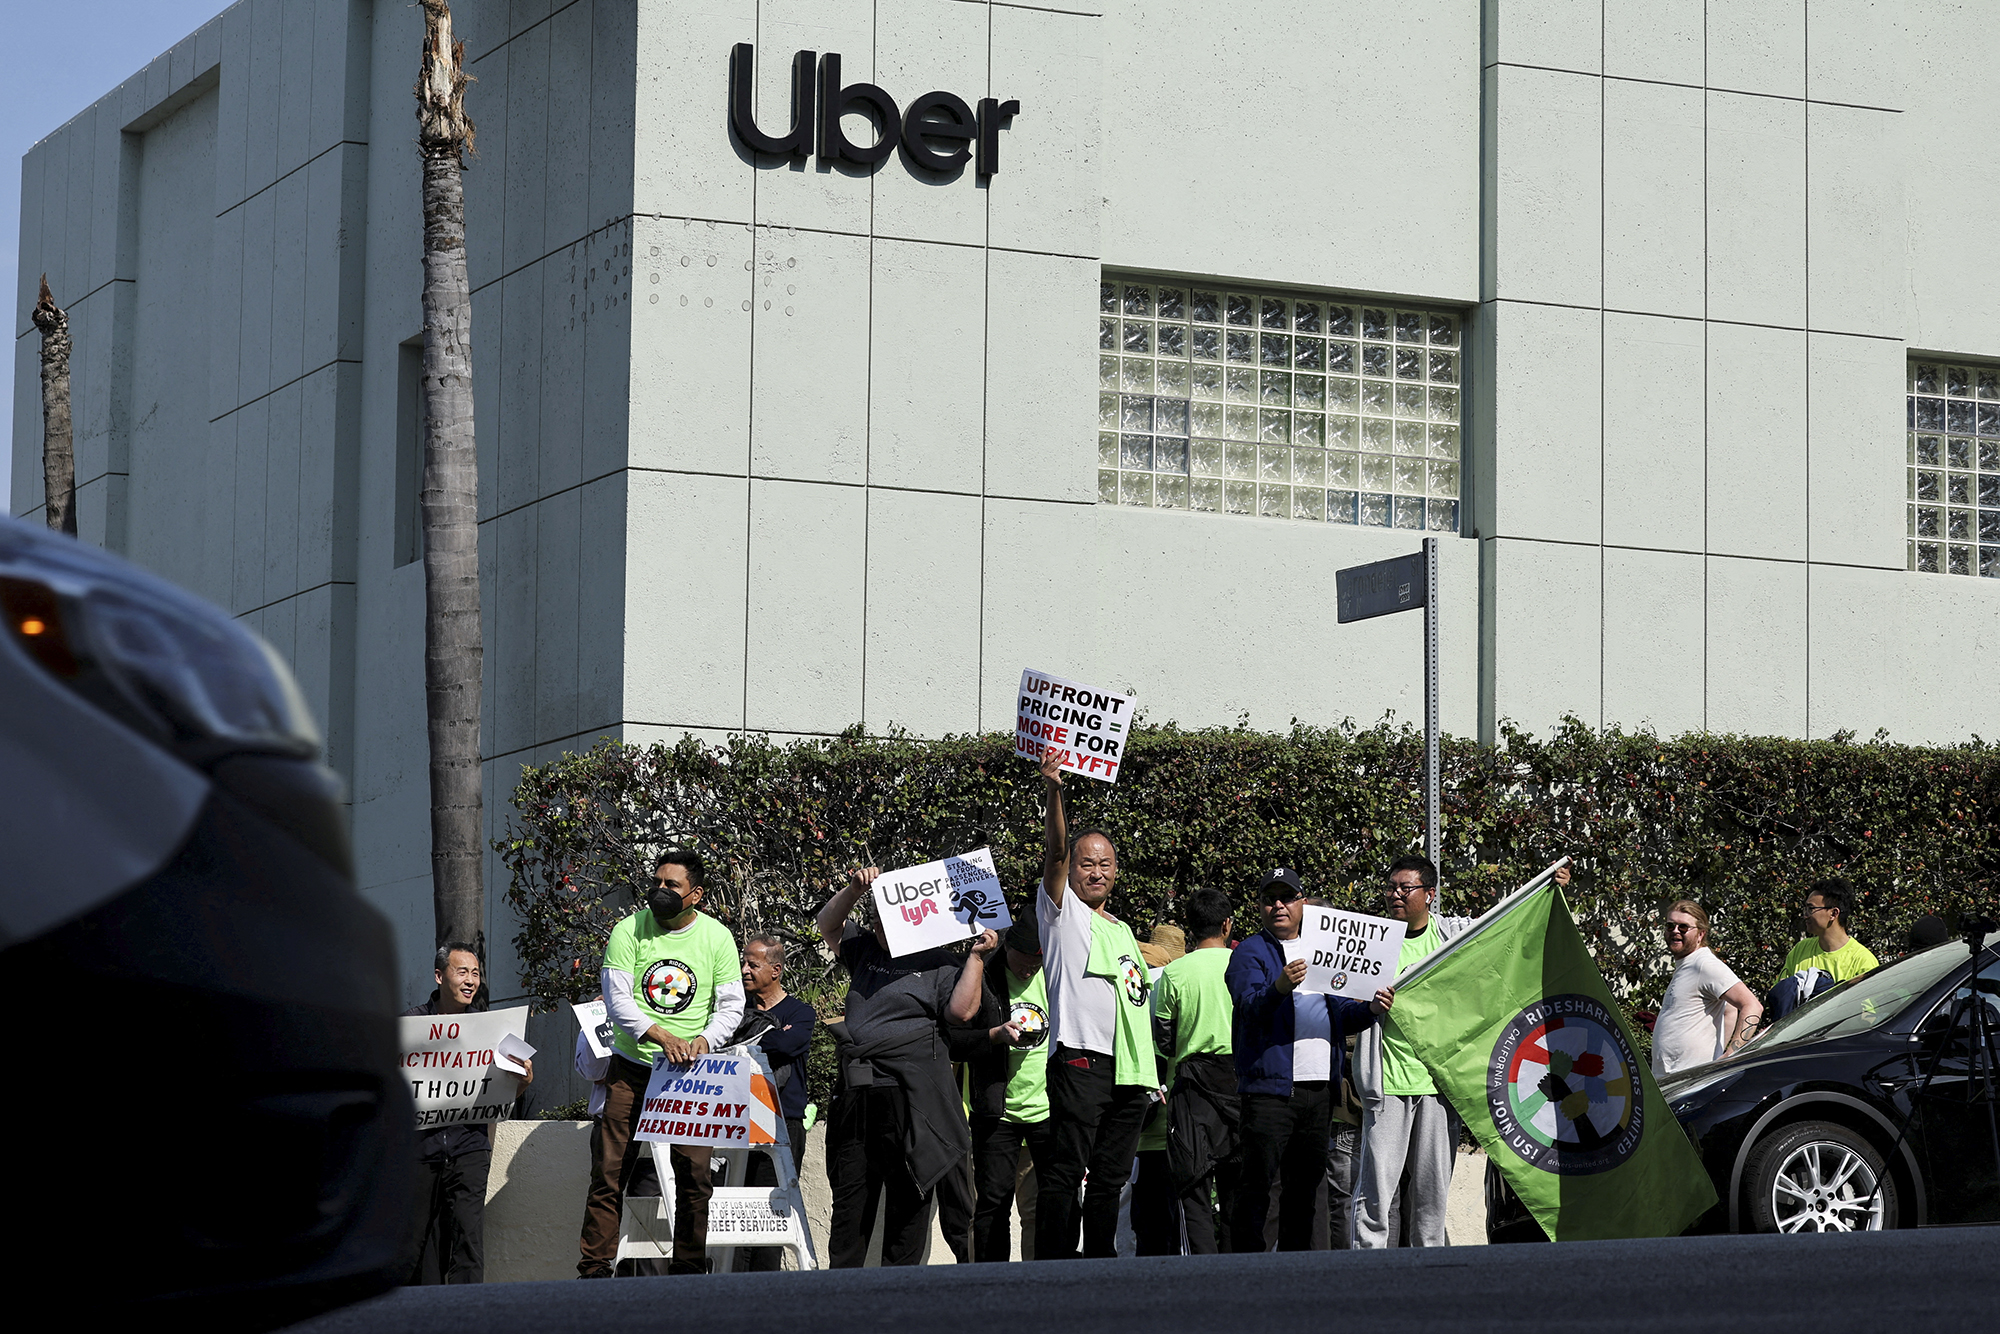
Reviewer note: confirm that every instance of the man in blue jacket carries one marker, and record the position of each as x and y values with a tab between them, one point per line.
1288	1046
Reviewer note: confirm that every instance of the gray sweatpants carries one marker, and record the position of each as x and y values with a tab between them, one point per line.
1420	1133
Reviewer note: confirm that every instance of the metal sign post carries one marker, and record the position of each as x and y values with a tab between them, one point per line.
1404	583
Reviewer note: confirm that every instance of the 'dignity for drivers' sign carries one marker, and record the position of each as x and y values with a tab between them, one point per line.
939	903
1349	954
1092	725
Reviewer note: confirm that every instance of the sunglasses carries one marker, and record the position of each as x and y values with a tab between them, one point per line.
1677	929
1274	897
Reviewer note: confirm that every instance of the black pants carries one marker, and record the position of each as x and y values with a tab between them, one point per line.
1156	1210
760	1172
1096	1128
955	1210
996	1162
865	1155
1284	1146
451	1200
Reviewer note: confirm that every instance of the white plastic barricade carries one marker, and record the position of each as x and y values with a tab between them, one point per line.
738	1215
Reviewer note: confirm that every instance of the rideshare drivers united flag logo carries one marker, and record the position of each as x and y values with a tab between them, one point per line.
1515	1024
1561	1086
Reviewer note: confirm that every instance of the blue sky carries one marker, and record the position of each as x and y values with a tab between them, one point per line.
65	54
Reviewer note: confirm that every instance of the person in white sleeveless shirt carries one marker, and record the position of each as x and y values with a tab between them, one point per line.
1693	1027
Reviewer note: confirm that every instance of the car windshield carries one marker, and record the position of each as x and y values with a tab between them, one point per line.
1864	1002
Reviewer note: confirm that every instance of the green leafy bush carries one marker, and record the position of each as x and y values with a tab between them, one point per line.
1742	824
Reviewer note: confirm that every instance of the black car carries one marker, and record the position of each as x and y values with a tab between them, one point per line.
1799	1128
203	1113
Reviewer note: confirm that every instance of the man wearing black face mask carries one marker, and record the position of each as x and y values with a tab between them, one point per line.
674	991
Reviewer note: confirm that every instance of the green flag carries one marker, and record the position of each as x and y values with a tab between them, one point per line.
1519	1031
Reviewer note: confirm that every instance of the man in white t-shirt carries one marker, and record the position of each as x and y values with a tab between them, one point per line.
1103	1070
1693	1027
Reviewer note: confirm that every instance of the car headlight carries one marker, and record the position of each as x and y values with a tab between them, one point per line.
163	661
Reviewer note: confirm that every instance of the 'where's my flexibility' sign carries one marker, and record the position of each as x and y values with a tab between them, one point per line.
721	1100
1091	724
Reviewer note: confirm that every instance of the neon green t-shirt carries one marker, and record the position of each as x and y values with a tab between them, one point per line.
1403	1075
1028	1067
1193	1000
1850	960
674	975
1114	955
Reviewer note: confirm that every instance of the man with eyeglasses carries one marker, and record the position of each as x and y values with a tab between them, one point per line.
1406	1126
1288	1046
1692	1028
1826	957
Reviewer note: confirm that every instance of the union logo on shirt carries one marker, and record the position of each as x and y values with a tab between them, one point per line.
1033	1021
669	986
1133	974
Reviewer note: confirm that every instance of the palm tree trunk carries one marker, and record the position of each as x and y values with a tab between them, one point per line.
58	445
452	647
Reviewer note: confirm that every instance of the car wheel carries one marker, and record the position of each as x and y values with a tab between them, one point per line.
1816	1176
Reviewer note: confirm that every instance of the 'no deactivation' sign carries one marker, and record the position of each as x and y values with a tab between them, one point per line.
1091	724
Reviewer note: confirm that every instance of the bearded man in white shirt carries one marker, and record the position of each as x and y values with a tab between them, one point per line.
1694	1025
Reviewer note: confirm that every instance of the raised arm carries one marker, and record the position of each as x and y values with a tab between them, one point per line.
1055	830
834	915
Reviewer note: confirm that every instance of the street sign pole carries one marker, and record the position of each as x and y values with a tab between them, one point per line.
1432	847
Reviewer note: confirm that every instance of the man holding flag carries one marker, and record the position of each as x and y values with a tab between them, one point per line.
1515	1024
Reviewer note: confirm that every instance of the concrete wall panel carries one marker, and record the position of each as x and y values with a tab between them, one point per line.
923	615
1855	52
1653	198
927	334
805	645
1654	612
1041	400
1548	422
685	599
1545	215
1654	423
1756	209
1757	441
1855	455
809	391
691	352
1547	621
922	45
1757	46
1756	647
1854	203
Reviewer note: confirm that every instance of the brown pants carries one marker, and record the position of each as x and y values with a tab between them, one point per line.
613	1159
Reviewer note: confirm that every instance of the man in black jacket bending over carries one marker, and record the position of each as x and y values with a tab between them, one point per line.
896	1119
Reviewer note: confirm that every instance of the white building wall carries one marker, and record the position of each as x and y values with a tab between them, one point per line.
774	446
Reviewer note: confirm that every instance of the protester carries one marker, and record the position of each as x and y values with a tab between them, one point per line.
1828	948
785	1043
896	1126
1102	1069
1693	1027
1284	1042
455	1159
1006	1086
1192	1017
1406	1127
673	989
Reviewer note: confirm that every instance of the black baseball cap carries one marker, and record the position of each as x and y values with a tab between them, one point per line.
1024	936
1281	875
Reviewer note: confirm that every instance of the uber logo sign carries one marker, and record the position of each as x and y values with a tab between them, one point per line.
934	129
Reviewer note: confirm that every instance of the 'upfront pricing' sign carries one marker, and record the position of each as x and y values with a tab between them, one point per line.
1348	954
720	1100
454	1063
1092	725
941	902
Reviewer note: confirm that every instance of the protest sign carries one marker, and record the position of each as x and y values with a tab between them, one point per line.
721	1100
454	1065
1092	725
938	903
1348	954
596	1026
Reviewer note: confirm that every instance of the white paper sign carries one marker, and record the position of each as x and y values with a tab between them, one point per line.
596	1026
453	1064
724	1099
938	903
1091	724
1348	954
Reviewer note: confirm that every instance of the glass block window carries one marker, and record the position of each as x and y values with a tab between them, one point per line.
1954	469
1312	409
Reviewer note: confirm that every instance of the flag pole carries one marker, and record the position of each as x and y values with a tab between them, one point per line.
1481	922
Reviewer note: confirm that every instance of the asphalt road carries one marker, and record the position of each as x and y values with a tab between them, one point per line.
1937	1280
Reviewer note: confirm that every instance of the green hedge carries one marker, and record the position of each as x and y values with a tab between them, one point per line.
1742	824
